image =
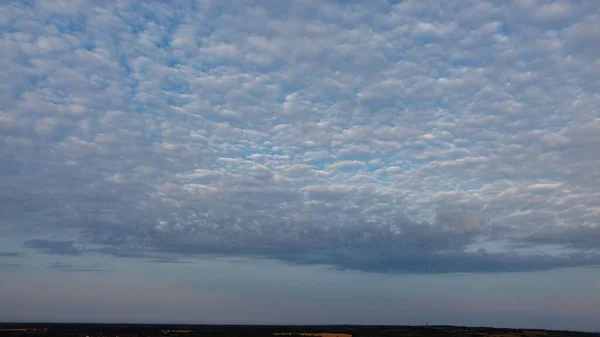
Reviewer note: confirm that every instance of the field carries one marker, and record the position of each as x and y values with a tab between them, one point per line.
152	330
320	334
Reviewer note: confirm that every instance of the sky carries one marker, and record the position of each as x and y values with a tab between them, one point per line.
305	162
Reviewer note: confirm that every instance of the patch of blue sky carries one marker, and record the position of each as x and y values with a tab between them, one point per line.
175	84
471	186
408	164
439	104
321	163
68	25
177	100
174	61
124	63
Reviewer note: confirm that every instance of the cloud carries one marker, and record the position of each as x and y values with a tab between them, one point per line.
56	247
11	254
67	267
373	136
10	265
461	221
583	238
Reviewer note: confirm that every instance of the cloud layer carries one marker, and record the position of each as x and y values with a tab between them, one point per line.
417	137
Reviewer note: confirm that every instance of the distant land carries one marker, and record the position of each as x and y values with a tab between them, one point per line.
182	330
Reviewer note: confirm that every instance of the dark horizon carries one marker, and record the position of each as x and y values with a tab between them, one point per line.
27	324
354	329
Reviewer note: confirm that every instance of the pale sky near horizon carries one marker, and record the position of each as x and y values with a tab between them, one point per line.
301	162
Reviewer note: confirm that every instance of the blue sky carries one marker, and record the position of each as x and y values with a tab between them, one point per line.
366	162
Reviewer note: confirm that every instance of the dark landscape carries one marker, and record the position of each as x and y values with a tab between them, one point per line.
160	330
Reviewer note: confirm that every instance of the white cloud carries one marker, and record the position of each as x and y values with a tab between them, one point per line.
219	122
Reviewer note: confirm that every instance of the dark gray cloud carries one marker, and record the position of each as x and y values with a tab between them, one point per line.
399	247
67	267
581	238
11	254
56	247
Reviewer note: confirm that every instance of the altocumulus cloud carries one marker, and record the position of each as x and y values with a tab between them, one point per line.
410	137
